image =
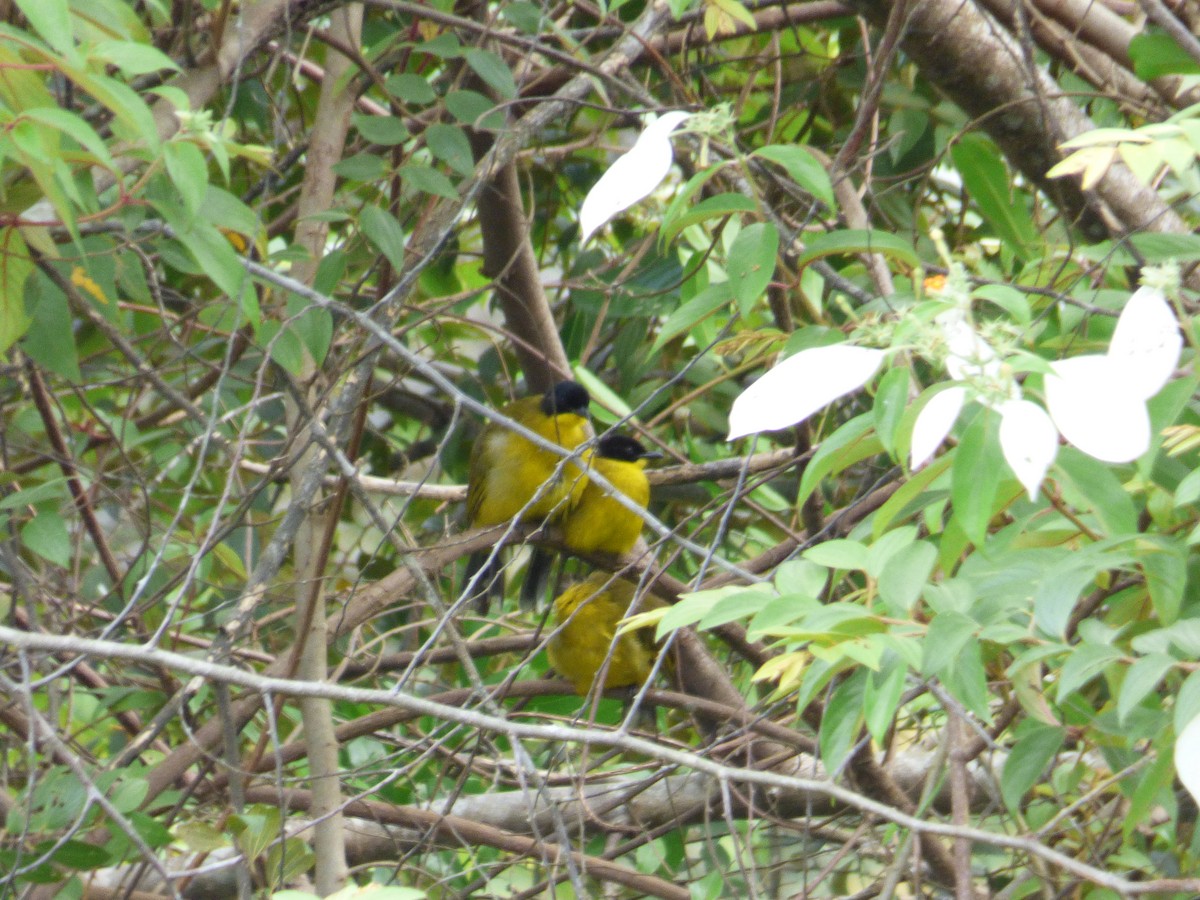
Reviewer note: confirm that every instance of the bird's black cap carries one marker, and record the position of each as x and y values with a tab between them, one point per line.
566	397
624	448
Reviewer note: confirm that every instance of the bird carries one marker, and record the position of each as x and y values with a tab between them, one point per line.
595	522
598	523
511	478
587	614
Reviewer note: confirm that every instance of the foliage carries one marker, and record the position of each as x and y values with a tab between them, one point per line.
899	610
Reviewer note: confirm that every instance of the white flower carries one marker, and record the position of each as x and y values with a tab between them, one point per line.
934	423
632	176
1097	410
1028	441
1187	757
970	356
800	385
1096	401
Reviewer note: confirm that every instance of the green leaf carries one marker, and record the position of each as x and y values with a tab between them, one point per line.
710	208
847	242
1188	490
410	88
1155	55
1009	299
528	17
881	699
1142	678
803	168
904	577
15	269
81	856
967	681
312	325
428	181
229	213
1092	485
838	554
46	535
473	109
449	144
891	399
385	130
131	57
682	199
382	230
51	19
948	634
992	187
700	307
493	70
853	442
975	483
912	493
74	126
188	172
694	606
1164	561
364	167
125	103
842	721
220	262
286	349
50	340
751	263
1027	761
1187	701
1084	663
1055	597
287	862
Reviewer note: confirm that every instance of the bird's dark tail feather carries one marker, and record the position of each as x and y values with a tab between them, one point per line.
490	584
537	577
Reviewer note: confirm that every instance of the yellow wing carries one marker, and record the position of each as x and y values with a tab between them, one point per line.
507	471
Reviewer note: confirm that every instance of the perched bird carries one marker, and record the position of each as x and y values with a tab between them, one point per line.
510	477
588	614
595	522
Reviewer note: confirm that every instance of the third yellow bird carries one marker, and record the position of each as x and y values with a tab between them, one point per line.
587	615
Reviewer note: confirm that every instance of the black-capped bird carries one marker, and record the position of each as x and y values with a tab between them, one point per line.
510	477
585	640
595	522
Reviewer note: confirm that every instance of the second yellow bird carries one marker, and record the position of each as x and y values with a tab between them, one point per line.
594	521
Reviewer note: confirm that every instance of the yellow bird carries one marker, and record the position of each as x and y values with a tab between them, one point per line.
509	477
594	522
597	523
587	615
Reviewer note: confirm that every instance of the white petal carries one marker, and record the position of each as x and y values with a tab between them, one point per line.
1146	342
1029	441
934	423
1187	757
1090	401
970	355
633	176
800	385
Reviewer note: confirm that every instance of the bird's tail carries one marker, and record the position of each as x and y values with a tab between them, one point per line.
537	578
484	566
